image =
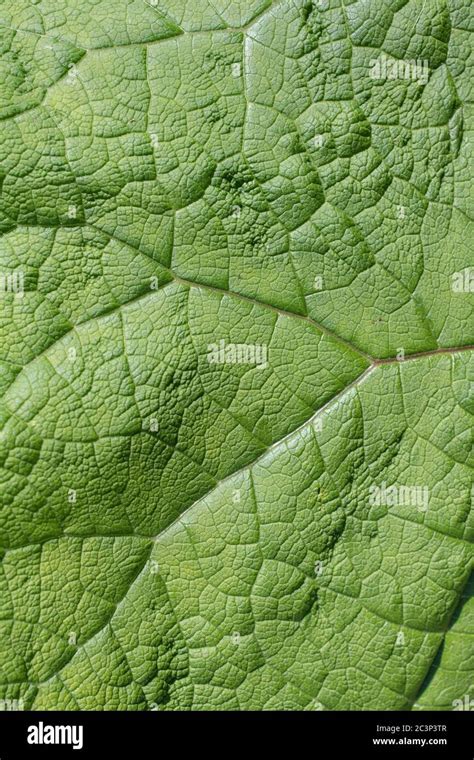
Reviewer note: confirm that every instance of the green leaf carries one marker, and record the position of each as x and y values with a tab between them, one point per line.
236	355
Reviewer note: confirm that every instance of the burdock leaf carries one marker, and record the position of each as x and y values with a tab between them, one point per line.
236	355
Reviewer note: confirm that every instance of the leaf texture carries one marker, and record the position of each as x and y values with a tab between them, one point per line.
287	525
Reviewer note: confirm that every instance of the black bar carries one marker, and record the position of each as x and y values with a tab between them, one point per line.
155	734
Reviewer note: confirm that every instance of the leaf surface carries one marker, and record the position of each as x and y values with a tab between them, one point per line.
236	355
